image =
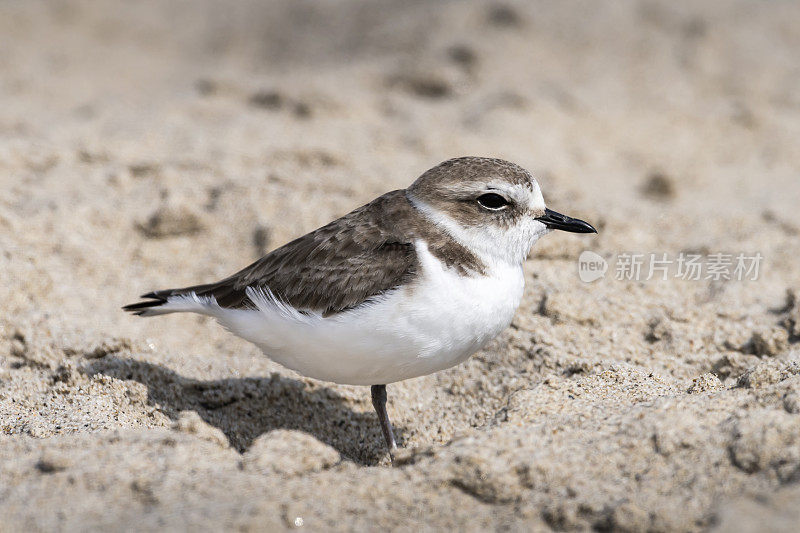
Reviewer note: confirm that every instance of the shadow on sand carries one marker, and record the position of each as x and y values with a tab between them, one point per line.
245	408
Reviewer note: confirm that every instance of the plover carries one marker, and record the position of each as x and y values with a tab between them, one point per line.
411	283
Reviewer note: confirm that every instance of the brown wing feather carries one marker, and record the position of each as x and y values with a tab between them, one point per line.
336	267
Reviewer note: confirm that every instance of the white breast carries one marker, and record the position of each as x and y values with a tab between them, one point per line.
435	323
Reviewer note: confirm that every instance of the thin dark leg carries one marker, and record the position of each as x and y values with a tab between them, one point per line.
379	403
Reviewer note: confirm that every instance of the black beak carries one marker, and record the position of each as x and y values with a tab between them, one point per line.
554	220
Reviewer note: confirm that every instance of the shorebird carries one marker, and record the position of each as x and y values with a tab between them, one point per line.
411	283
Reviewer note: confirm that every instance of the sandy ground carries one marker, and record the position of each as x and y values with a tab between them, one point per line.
155	144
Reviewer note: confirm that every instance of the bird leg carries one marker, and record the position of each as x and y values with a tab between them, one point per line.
379	403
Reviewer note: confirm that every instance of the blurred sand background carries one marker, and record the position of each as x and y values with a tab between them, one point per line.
156	144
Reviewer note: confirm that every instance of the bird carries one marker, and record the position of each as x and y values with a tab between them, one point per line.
409	284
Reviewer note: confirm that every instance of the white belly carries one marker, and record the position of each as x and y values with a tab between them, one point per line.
436	323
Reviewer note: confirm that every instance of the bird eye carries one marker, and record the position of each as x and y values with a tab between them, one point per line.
492	201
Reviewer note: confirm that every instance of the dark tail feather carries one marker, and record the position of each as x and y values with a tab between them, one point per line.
157	299
223	292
